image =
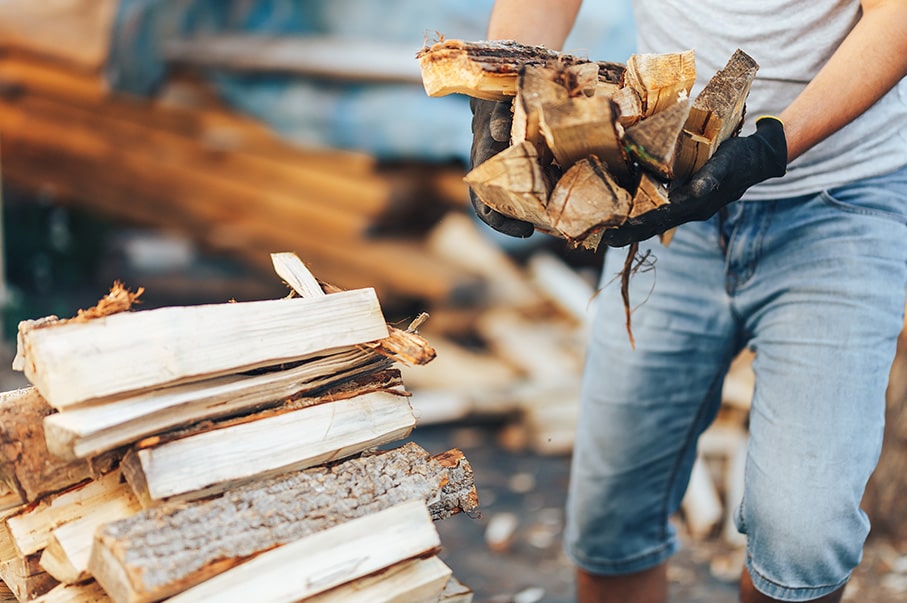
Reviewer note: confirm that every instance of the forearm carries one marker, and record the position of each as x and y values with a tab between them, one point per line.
535	22
868	63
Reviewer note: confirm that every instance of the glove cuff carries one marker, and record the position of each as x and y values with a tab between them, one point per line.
770	130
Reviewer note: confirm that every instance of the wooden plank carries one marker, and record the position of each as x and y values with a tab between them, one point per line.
490	68
322	56
27	468
716	114
71	362
213	461
412	581
166	549
316	563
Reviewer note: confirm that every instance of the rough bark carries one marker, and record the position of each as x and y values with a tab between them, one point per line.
166	549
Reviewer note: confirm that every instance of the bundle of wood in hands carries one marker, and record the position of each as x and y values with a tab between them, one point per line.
593	144
223	452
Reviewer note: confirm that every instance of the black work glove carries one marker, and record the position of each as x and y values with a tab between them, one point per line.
491	122
738	164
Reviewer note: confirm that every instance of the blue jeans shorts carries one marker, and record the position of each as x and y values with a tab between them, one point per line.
816	286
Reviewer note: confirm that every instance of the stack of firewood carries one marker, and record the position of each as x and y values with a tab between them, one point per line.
593	144
223	452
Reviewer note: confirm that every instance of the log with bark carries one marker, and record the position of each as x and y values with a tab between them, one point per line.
166	549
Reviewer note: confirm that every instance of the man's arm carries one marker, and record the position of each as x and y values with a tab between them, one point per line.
876	51
534	22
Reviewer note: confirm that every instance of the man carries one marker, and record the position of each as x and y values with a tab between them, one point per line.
809	269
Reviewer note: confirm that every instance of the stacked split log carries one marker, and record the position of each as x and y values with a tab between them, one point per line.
223	452
593	145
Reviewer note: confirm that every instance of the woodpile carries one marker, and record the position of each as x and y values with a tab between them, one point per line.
184	163
224	452
592	144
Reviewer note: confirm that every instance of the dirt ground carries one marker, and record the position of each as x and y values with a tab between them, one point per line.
532	566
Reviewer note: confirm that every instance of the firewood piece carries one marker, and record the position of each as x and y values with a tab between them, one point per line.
8	498
25	578
660	79
652	142
413	581
29	530
292	269
490	69
650	194
316	563
456	592
563	285
27	468
87	592
168	548
629	106
90	430
71	362
212	461
716	114
538	86
512	183
584	126
585	198
65	556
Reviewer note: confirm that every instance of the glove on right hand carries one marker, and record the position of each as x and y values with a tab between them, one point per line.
491	122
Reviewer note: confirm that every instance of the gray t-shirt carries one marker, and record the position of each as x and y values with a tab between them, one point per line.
791	40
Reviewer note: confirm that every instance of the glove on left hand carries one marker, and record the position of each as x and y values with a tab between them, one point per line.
738	164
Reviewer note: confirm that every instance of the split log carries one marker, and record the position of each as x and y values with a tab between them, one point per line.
584	126
413	581
539	86
25	577
166	549
629	106
27	468
650	194
716	114
456	592
320	561
74	361
210	462
86	431
65	556
489	69
586	198
513	183
660	79
29	530
652	142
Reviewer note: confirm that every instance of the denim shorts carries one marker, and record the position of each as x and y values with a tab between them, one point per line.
816	286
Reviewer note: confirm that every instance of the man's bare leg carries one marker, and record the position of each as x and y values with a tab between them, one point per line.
648	586
749	594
